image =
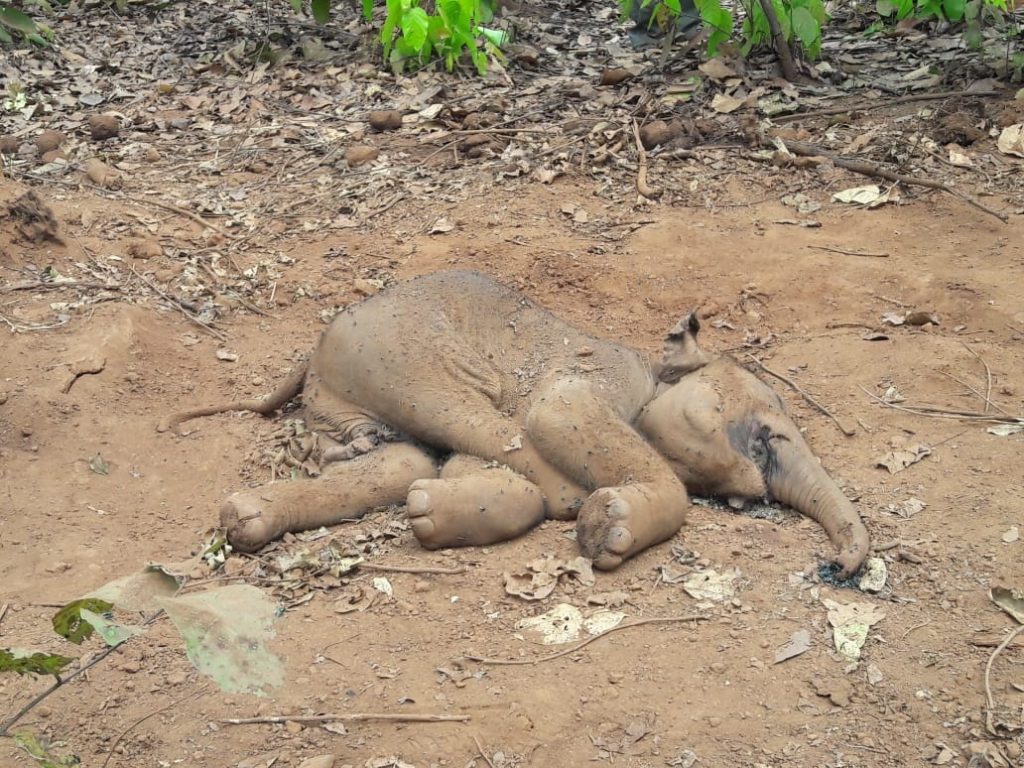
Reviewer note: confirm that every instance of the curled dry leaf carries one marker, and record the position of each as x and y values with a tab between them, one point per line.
899	459
1011	140
799	643
615	76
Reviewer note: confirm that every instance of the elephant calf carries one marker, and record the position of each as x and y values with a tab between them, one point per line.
537	419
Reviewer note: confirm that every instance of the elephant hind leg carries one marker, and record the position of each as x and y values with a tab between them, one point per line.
346	490
473	503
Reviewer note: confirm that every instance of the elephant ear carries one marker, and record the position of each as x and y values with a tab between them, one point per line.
681	354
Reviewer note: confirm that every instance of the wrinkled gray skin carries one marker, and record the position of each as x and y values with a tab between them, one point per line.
583	427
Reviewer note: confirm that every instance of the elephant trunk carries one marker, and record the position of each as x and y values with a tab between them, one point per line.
797	479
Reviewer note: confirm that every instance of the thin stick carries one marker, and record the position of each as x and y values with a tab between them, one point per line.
141	720
985	398
3	611
946	413
353	717
588	641
849	253
390	203
881	103
641	175
177	305
410	568
989	699
480	749
871	169
988	382
915	627
10	722
845	430
174	209
40	286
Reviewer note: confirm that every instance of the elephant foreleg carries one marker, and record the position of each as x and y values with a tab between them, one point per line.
639	501
346	490
473	503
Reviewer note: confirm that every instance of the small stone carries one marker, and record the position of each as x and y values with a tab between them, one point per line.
293	727
658	132
152	154
58	568
43	711
53	156
385	120
718	667
367	286
714	722
26	431
615	678
615	76
131	667
144	248
9	145
103	127
177	678
360	154
49	140
421	586
101	174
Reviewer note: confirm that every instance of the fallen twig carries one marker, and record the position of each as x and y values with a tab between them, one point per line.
988	382
3	611
41	286
480	749
796	388
588	641
987	400
872	169
173	209
350	717
411	568
946	413
61	681
990	702
130	728
641	175
881	103
177	305
848	253
386	206
991	640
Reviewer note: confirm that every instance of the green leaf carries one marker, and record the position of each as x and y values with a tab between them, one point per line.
415	23
497	37
805	27
321	10
25	663
5	36
368	10
226	631
41	750
17	20
69	623
954	9
98	465
296	5
111	631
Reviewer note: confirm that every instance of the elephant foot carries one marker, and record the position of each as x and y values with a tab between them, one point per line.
249	526
617	523
480	509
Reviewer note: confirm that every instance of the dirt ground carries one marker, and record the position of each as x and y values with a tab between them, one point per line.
89	367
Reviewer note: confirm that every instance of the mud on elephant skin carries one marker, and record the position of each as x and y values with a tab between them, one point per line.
466	369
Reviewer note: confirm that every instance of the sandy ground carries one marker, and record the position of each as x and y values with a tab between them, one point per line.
642	697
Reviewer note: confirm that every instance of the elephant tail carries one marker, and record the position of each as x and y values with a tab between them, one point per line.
285	391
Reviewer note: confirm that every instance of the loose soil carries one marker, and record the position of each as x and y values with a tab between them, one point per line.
89	368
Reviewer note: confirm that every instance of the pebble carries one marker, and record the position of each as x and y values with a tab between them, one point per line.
53	156
152	154
714	722
360	154
176	678
320	761
49	140
103	127
293	727
9	145
421	585
131	667
385	120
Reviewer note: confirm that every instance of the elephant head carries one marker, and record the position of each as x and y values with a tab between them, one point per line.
727	434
